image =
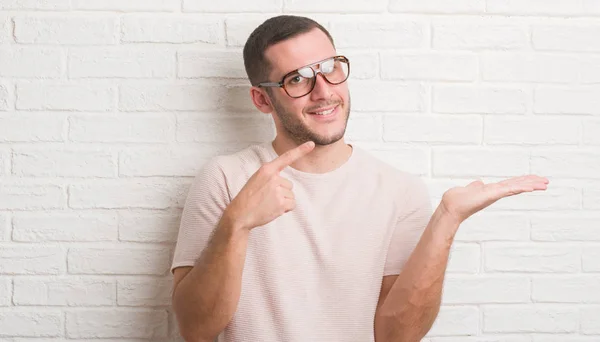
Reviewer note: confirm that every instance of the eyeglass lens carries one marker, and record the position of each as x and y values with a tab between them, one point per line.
302	82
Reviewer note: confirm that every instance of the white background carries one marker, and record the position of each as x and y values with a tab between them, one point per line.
109	107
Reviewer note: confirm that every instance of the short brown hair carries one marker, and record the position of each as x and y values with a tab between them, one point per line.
270	32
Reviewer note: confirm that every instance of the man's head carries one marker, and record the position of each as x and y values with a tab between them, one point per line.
279	47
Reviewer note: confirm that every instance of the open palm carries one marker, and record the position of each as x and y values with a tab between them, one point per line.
462	202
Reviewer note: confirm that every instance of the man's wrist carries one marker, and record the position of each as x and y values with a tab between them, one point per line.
447	221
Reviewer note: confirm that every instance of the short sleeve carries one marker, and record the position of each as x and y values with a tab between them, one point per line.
412	220
206	200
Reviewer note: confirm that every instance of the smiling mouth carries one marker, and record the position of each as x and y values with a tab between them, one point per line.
324	112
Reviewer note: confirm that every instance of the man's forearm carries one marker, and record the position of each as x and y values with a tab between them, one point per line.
207	297
413	302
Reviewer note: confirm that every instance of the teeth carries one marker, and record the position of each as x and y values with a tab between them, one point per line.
327	112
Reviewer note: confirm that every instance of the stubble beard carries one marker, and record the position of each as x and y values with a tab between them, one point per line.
298	132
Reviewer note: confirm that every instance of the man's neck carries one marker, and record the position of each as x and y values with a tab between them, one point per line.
320	160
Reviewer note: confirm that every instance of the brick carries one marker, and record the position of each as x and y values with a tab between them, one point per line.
148	227
31	62
31	323
184	97
5	29
462	289
554	198
570	164
179	161
4	164
269	6
505	257
563	338
144	292
479	162
399	34
157	128
519	318
493	227
437	6
590	258
464	258
363	128
524	67
126	6
63	163
574	289
479	34
591	132
411	160
40	127
31	260
223	64
456	320
590	320
66	30
316	6
5	223
589	69
64	292
566	38
479	99
121	62
6	100
141	323
571	100
534	7
34	5
122	194
482	338
363	65
42	227
239	28
193	128
5	291
591	198
429	66
65	96
119	261
521	131
567	228
387	96
23	196
171	29
421	128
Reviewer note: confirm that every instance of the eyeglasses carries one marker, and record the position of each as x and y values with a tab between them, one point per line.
301	82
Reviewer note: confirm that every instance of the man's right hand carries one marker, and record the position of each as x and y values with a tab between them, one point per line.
267	195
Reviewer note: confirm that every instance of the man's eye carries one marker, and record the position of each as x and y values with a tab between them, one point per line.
296	79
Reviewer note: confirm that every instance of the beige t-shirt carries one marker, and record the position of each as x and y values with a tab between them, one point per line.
315	273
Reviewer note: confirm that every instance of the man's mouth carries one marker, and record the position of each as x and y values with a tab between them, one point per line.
324	111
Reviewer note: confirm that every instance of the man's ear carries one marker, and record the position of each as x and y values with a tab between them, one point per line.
261	100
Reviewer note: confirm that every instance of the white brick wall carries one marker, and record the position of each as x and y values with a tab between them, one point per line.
108	108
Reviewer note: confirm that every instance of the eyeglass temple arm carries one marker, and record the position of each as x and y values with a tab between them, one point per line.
270	84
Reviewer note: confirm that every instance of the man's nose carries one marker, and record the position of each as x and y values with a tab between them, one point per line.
322	89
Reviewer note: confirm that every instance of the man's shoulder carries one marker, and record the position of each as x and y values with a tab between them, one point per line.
243	160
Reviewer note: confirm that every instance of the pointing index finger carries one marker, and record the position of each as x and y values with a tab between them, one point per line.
289	157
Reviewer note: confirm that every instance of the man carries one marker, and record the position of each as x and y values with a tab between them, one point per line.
308	238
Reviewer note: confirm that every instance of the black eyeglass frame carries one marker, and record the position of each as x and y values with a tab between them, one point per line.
282	85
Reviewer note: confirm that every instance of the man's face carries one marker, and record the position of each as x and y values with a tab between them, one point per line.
302	119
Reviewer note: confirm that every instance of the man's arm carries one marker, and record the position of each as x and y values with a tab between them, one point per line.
410	307
205	296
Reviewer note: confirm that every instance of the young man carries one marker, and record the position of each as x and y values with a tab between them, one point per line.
307	238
